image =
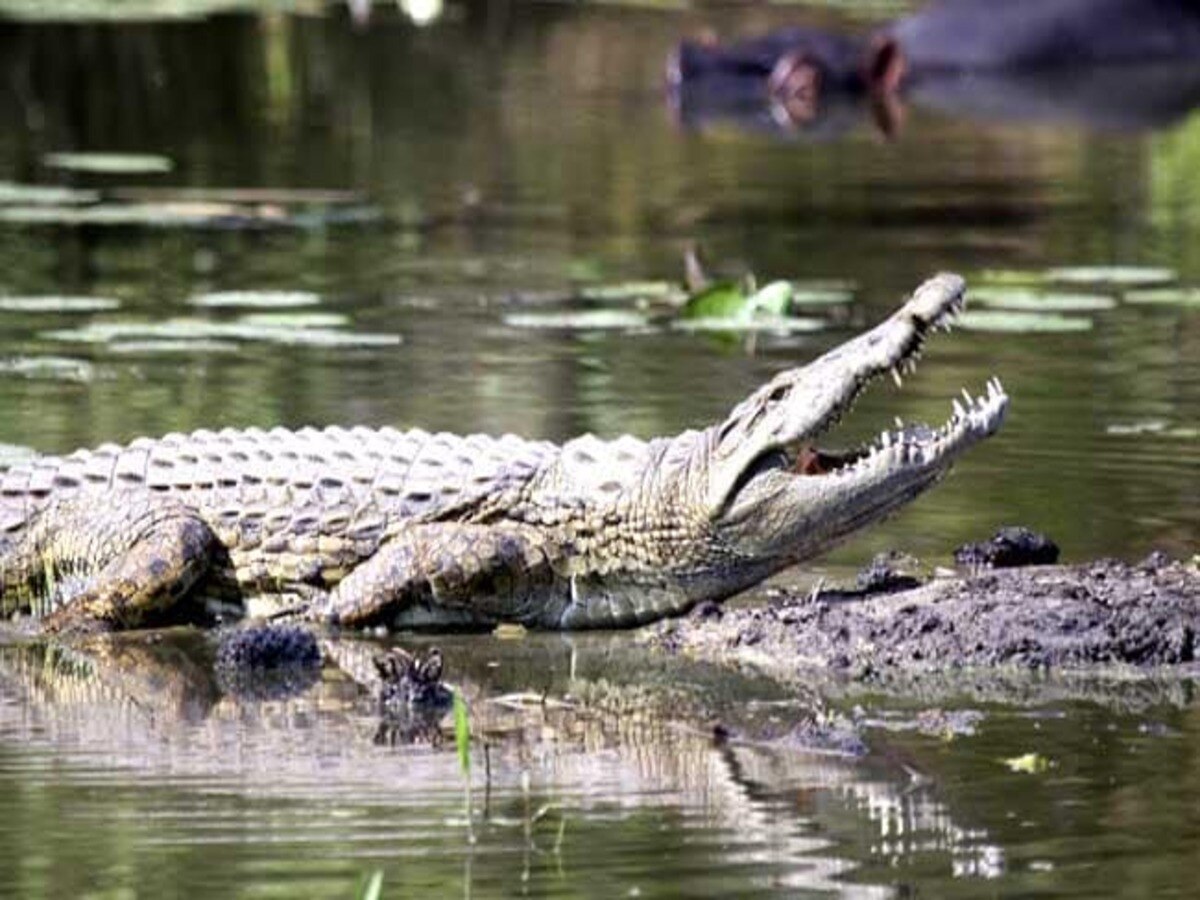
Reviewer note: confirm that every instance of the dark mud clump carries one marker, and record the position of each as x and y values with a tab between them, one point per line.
267	662
1008	548
1105	613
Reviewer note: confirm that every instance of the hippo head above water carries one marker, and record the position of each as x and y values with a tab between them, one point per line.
1103	62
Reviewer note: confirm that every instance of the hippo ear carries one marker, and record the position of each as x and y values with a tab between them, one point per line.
885	65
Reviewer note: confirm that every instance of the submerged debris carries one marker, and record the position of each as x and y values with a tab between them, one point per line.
887	572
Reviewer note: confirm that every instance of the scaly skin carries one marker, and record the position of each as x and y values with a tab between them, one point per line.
368	527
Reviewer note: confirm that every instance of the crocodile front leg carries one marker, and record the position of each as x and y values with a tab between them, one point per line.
115	562
449	574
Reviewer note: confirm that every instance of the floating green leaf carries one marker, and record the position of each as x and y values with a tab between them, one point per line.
720	300
580	320
729	300
109	163
773	299
1028	763
1030	322
256	299
51	304
1181	296
1116	275
462	733
1033	301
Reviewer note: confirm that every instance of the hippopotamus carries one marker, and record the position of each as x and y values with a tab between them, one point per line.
1108	59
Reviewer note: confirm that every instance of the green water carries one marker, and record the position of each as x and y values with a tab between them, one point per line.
492	163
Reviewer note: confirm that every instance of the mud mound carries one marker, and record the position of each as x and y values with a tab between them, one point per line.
1105	613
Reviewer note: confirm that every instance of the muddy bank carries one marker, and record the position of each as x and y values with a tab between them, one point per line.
1101	615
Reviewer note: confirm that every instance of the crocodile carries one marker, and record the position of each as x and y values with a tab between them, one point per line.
367	527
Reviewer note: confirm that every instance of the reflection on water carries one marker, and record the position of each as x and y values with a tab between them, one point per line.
142	754
483	167
596	771
133	733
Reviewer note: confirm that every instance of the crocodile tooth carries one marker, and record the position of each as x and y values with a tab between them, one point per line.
899	423
959	412
896	377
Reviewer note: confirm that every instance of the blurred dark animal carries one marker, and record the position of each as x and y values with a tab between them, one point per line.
1101	63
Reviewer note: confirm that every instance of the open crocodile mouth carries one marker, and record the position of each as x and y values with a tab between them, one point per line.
915	444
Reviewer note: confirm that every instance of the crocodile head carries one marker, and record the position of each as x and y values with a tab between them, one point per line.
775	495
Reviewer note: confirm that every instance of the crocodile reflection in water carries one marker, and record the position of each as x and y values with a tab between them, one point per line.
102	699
182	677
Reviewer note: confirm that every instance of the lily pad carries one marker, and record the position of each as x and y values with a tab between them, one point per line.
323	338
663	291
1116	275
168	347
1147	426
52	304
1031	301
255	299
187	214
1181	296
1023	322
821	293
1157	427
580	320
768	323
204	330
12	194
49	368
109	163
1010	277
296	320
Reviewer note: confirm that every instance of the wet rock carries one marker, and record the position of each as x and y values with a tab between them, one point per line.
1010	547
